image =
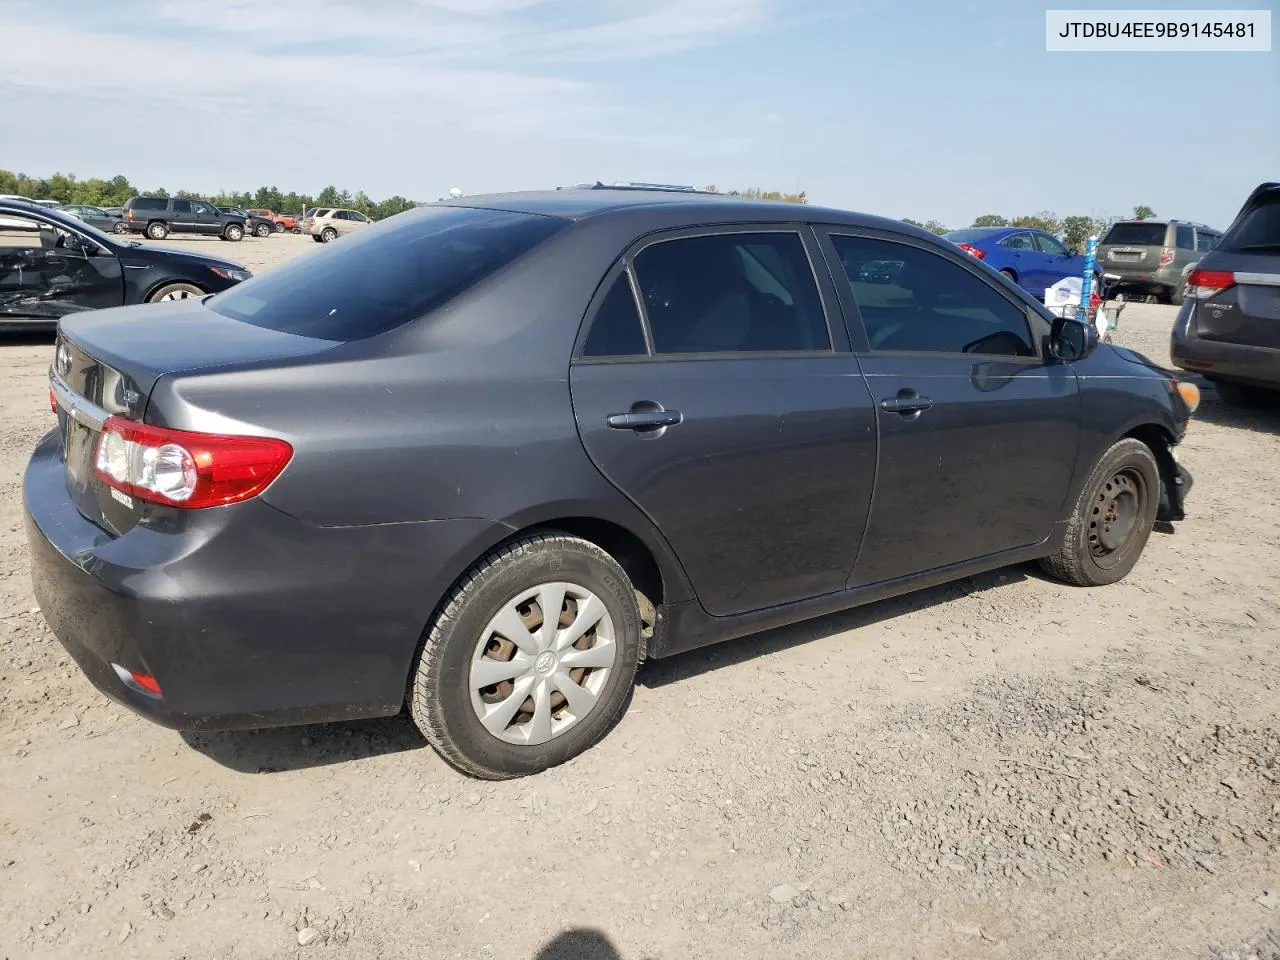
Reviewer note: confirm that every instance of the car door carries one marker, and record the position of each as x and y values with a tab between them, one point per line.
47	272
182	218
707	388
1023	258
978	431
1057	263
209	219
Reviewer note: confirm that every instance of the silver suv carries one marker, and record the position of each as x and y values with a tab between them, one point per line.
1153	257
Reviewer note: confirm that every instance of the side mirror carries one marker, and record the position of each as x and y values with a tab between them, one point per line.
1069	339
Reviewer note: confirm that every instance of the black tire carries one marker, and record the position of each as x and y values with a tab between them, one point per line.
157	230
1178	295
233	232
1010	274
440	698
262	230
1094	552
296	230
175	291
327	234
278	228
119	227
1244	395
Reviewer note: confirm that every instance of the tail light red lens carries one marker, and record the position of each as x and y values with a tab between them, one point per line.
1166	256
1203	284
972	250
181	468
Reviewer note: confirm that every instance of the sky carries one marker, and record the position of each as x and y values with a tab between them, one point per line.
903	108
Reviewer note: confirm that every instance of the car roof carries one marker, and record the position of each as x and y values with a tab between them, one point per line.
581	203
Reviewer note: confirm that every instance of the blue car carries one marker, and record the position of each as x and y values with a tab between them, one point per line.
1030	258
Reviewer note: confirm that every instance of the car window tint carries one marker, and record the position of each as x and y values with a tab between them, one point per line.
1049	245
927	303
181	206
616	330
1258	227
1018	241
1136	234
148	203
1205	241
380	279
1184	238
741	292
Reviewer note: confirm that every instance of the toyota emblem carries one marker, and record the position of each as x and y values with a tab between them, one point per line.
62	360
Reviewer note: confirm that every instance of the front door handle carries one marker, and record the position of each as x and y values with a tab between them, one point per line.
907	405
644	419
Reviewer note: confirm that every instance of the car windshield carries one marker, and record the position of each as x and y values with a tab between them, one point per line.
970	234
1259	228
386	276
1136	234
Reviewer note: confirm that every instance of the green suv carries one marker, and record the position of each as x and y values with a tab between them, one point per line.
1153	257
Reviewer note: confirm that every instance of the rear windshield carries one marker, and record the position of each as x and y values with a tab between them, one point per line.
969	235
148	203
1137	234
379	279
1258	228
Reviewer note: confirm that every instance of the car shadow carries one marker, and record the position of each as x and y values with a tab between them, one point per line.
282	749
579	944
659	673
1262	416
27	337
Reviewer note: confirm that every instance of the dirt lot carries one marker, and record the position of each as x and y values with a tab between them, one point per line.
1004	767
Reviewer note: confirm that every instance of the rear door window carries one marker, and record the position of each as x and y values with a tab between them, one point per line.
182	206
616	328
1018	241
383	278
1136	234
930	305
731	293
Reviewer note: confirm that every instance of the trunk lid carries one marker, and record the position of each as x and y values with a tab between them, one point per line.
107	362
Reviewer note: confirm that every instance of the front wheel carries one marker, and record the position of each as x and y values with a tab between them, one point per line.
1112	519
175	291
328	233
530	660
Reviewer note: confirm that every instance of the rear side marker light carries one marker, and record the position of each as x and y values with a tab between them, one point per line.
142	682
1203	284
182	468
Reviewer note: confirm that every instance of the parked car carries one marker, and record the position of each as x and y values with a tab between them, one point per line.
280	221
55	265
1030	258
114	211
329	224
95	217
1152	257
495	452
16	224
157	217
258	226
1228	329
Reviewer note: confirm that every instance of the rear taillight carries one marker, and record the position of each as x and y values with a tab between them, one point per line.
128	214
972	250
1203	284
1166	256
180	468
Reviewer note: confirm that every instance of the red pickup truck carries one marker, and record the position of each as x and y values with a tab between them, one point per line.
283	221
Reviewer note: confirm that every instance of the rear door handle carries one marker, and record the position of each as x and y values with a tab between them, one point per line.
906	405
644	419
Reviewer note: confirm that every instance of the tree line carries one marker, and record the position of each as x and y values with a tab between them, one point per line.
1073	231
95	191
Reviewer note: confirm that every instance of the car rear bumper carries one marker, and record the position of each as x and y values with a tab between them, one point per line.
1145	276
1217	360
245	616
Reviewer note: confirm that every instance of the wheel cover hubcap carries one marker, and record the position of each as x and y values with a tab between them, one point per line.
541	664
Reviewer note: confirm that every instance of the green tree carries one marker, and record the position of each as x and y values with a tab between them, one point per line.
1076	230
1143	212
1045	220
990	220
935	226
914	223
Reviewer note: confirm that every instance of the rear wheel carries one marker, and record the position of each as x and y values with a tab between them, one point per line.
119	227
1112	519
530	660
328	233
1010	274
279	228
175	291
262	230
157	230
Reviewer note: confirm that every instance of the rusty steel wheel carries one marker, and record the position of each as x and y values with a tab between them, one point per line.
1117	510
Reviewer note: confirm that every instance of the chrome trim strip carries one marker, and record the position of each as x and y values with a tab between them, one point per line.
1261	279
77	407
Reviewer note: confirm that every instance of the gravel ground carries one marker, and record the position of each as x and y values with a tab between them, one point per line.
1002	767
